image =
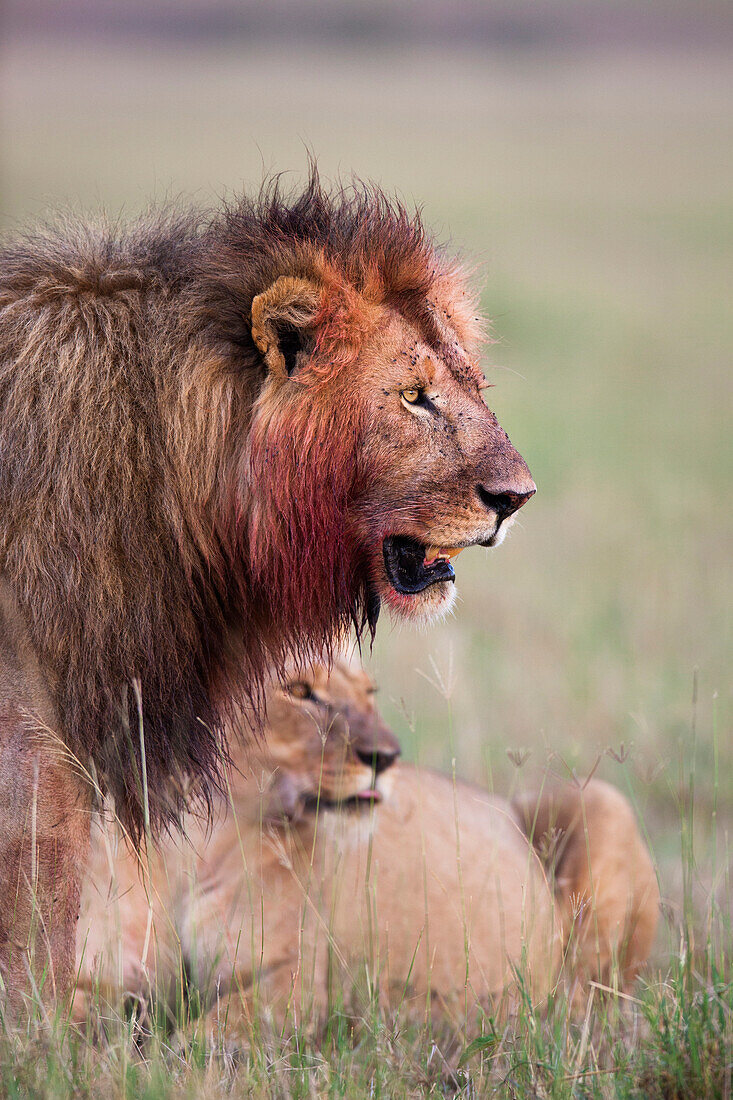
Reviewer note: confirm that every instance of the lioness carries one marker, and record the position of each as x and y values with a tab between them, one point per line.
417	885
224	904
225	441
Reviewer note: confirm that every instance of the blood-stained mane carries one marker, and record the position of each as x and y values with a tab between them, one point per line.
145	532
286	527
224	442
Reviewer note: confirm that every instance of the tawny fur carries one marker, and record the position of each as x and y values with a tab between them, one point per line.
435	892
604	880
169	510
250	870
203	449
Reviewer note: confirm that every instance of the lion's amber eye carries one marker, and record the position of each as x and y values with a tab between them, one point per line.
411	396
300	690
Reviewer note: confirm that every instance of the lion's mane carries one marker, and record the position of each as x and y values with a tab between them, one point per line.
159	525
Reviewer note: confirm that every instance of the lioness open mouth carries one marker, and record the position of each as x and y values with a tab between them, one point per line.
412	566
370	795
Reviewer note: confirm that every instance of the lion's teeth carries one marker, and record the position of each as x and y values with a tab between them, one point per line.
432	553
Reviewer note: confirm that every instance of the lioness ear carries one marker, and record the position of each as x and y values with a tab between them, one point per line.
282	320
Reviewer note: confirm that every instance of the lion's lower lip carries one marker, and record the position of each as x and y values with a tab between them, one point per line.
370	795
407	570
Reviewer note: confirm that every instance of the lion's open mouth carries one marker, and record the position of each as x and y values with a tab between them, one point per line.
370	795
412	566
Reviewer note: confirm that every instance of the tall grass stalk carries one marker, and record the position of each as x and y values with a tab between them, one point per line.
670	1038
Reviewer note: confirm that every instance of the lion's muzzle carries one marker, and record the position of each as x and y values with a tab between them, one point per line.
503	504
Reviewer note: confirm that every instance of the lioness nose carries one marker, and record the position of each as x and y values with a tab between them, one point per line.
378	759
504	502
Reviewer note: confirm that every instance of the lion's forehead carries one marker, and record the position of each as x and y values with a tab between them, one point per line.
399	356
462	367
456	308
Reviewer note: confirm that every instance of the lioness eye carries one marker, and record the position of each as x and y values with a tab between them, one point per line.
300	690
411	396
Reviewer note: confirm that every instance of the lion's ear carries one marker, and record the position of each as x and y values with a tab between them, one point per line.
282	321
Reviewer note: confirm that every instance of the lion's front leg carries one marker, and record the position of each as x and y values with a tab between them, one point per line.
43	849
44	834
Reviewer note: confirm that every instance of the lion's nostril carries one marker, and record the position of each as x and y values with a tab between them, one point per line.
378	760
505	502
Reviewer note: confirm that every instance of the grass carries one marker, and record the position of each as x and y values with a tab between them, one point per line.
672	1037
593	189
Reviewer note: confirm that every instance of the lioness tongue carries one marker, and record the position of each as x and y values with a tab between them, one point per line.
432	553
370	795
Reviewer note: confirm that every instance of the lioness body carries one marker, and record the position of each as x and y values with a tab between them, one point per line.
435	892
440	898
604	880
284	918
210	464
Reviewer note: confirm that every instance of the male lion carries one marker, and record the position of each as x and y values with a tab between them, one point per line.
223	441
419	886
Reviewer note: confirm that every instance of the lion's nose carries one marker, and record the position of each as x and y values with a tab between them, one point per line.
379	759
504	501
374	744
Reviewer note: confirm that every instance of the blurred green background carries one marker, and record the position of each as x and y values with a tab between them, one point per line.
580	156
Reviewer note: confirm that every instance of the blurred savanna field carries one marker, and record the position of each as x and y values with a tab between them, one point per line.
590	186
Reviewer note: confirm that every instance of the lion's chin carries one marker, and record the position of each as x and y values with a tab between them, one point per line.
421	607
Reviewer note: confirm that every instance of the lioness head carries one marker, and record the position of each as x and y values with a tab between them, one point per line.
326	743
372	458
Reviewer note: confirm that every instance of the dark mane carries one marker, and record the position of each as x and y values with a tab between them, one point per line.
128	374
369	238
